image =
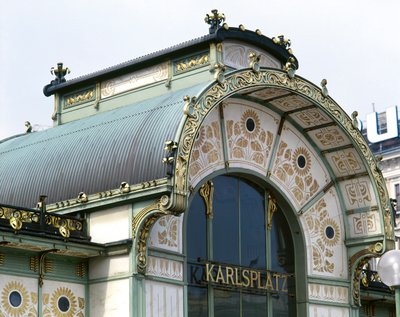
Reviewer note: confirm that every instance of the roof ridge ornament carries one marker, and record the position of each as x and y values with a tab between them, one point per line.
60	72
214	20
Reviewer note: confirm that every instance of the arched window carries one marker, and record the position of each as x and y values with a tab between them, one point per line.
240	257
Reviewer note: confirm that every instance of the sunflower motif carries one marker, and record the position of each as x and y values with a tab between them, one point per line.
330	232
200	138
14	299
301	161
250	124
63	302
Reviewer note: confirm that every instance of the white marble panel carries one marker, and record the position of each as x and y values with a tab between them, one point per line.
236	55
26	288
345	162
250	131
310	118
297	168
292	102
164	268
328	293
358	193
110	225
328	311
110	299
134	80
207	154
112	266
52	291
163	300
324	233
166	233
329	137
364	224
269	93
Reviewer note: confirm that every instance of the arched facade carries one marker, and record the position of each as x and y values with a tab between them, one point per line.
284	134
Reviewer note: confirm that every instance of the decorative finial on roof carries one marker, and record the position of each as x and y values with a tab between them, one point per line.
282	41
324	89
60	73
28	127
214	20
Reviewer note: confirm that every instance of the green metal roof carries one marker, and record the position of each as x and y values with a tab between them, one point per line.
92	154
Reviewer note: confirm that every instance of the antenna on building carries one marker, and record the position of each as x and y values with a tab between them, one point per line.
373	107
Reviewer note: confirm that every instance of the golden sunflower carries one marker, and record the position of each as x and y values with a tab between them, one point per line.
14	299
200	138
250	124
63	302
301	161
330	232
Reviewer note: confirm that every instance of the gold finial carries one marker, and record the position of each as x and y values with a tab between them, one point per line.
290	67
281	40
60	72
254	61
214	20
258	32
242	28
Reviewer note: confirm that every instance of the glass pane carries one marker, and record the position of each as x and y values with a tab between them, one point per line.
283	305
196	230
252	226
226	303
254	305
282	255
226	220
197	302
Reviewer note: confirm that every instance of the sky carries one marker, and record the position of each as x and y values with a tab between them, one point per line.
353	44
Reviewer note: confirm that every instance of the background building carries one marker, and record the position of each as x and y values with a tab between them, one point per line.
202	180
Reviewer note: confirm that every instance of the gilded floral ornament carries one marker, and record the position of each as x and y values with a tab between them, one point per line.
14	299
63	303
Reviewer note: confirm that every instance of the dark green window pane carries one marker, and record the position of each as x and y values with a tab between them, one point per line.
254	305
282	253
197	302
252	226
226	303
226	220
196	230
283	305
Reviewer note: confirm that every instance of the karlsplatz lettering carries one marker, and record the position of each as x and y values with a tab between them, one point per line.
247	278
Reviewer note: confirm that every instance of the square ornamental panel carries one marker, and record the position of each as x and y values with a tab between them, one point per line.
345	162
329	137
310	118
290	103
267	94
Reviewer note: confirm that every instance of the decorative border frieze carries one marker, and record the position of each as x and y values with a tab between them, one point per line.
190	63
79	97
164	268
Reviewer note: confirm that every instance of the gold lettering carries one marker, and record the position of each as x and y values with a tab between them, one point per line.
268	284
245	275
259	284
284	284
237	277
220	276
276	275
229	275
209	272
253	277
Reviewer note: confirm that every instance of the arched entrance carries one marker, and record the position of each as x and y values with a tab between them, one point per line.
240	254
308	153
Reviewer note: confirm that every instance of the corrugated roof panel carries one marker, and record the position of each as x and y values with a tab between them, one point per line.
93	154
